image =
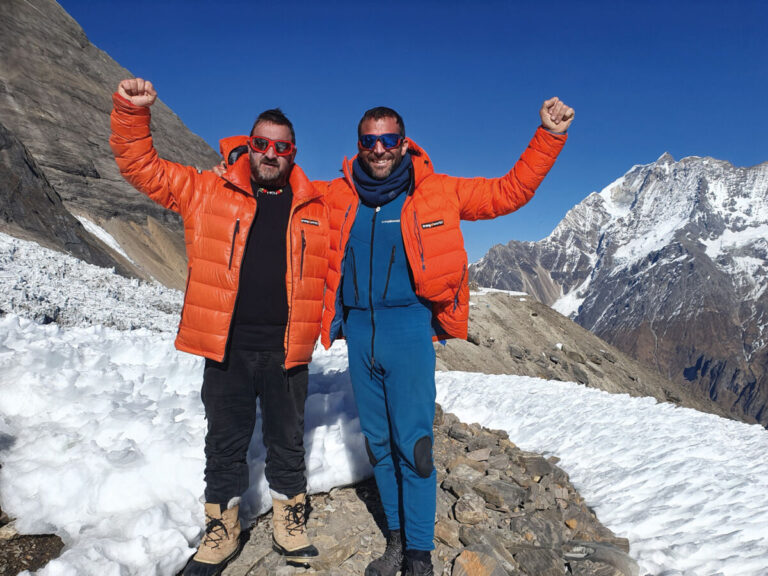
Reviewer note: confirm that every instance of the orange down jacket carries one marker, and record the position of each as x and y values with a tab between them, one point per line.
430	227
218	213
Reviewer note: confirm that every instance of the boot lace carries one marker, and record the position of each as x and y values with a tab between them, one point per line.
295	518
215	533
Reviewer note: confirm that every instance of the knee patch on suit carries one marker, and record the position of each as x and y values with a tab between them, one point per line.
422	456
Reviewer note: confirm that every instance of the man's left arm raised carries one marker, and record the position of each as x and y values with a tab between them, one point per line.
485	198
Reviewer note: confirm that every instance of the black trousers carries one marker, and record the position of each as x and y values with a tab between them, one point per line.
229	394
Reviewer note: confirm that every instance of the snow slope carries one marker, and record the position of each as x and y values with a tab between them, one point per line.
101	436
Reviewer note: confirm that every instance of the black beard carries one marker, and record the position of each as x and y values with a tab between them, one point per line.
278	181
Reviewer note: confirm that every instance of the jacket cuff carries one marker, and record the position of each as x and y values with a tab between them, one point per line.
125	106
561	136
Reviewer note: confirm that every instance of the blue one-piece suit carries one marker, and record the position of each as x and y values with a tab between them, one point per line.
392	366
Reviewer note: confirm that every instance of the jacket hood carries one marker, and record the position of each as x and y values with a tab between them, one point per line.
234	150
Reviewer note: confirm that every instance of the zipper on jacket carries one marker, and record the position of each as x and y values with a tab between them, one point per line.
234	237
184	306
287	337
341	230
303	247
354	273
291	214
343	259
456	297
239	278
370	287
389	271
418	239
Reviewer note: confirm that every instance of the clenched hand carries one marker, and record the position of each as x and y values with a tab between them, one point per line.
137	91
556	116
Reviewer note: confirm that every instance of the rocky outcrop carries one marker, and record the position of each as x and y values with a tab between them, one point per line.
31	209
55	98
19	553
669	264
500	511
516	334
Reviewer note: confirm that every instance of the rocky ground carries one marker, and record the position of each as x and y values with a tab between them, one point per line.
19	553
500	511
516	334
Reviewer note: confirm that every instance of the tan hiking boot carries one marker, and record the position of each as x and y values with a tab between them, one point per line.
221	542
289	529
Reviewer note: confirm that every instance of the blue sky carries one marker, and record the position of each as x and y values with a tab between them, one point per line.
688	78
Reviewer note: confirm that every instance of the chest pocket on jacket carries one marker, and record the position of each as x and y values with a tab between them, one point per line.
441	250
312	247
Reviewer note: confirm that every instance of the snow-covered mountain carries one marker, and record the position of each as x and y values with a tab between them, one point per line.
668	263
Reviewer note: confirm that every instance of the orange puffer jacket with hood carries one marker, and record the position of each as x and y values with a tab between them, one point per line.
218	213
429	223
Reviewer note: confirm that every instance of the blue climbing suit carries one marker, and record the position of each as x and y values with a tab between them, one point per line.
392	366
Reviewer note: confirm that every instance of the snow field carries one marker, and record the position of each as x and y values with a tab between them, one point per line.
101	442
102	432
689	490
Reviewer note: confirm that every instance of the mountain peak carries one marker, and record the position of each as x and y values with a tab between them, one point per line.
665	158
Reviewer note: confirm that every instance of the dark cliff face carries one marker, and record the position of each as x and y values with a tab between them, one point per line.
669	264
55	98
31	209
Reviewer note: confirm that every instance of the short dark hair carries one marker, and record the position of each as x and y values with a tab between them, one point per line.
377	114
275	116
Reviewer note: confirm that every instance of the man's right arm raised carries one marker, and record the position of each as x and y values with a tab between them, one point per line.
167	183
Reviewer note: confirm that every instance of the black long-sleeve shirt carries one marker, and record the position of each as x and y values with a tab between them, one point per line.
261	315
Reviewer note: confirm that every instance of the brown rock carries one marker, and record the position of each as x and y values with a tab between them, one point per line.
470	509
480	455
447	532
471	563
500	494
466	461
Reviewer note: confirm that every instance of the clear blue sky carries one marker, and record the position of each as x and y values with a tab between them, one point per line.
689	78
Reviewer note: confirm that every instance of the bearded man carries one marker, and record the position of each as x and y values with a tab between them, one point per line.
397	280
256	240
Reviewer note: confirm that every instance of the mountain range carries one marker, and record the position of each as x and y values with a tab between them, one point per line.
669	263
618	264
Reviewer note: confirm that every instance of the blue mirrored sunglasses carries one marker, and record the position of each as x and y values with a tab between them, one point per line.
389	141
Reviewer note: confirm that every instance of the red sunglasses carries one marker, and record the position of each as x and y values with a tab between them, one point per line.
261	144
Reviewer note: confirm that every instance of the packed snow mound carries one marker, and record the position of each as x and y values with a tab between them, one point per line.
101	441
49	286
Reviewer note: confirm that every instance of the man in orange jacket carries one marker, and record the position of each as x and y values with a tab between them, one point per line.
256	240
397	279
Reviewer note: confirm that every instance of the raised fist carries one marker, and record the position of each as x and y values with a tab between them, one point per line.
556	116
137	91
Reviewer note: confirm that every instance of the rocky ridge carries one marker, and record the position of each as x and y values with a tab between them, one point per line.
55	100
500	511
669	264
31	209
513	333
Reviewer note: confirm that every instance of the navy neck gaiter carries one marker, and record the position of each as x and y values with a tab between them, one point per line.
378	192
